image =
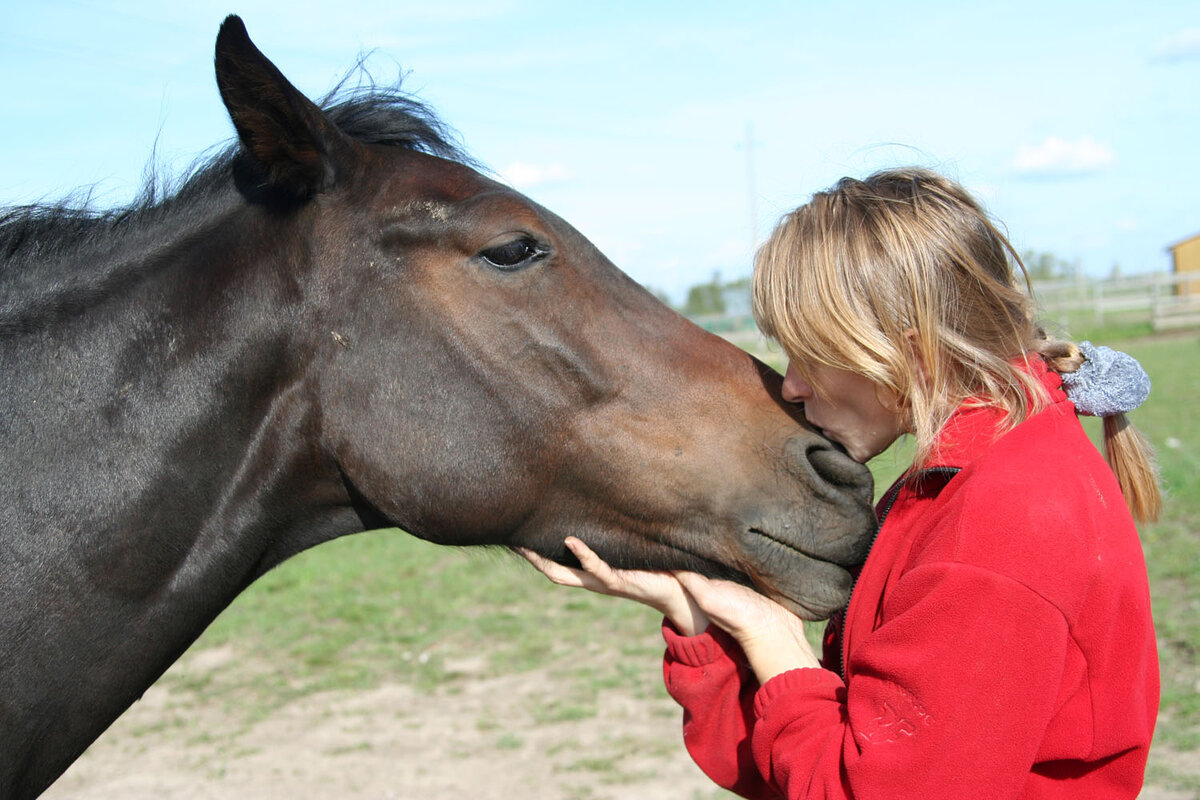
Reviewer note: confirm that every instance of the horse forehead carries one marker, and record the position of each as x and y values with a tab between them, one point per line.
419	178
468	201
433	210
429	188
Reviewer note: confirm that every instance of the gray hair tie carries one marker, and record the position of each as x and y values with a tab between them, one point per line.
1109	382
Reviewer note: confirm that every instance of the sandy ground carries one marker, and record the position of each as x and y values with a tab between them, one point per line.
481	738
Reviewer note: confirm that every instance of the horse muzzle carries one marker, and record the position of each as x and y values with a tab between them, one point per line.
801	554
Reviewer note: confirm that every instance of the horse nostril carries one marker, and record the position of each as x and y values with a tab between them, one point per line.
828	463
832	465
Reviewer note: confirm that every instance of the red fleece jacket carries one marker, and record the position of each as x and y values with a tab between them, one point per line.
998	642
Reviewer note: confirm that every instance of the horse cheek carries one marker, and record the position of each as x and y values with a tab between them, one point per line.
417	456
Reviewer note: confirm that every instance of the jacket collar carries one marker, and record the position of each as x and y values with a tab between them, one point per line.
973	428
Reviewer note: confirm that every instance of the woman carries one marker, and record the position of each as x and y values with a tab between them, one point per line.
998	642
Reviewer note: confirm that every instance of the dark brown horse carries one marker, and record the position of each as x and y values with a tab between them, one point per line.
339	325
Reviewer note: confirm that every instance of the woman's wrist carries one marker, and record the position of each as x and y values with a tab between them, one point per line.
686	616
774	652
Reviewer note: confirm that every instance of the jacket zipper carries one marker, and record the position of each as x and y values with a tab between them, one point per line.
889	501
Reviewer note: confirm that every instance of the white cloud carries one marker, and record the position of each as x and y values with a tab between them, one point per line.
1183	45
523	175
1055	157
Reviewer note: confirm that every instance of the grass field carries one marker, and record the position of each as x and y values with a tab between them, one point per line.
385	608
1172	545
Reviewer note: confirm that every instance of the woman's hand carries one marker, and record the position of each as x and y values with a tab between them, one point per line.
771	636
659	590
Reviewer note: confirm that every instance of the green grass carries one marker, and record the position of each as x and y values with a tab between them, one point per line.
1169	421
384	607
1082	325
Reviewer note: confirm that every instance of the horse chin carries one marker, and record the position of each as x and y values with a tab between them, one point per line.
621	550
814	590
812	582
815	600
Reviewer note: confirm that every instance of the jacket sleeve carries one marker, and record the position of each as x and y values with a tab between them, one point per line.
950	696
708	675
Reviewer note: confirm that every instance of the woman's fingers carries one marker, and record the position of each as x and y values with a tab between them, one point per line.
694	582
771	636
689	599
740	610
557	573
592	563
659	590
596	575
734	607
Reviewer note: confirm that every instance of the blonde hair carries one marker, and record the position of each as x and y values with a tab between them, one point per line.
904	279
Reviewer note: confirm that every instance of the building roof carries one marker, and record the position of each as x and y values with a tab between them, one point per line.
1182	242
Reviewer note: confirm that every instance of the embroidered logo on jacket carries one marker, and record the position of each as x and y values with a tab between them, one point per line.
900	717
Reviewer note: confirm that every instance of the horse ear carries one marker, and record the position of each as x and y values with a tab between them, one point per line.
288	136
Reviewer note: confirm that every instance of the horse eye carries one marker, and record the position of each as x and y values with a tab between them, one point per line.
514	254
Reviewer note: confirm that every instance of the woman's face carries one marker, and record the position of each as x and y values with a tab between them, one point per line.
850	410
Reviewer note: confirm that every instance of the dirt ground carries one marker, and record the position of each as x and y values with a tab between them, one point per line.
481	738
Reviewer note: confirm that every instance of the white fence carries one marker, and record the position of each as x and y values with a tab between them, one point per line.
1168	301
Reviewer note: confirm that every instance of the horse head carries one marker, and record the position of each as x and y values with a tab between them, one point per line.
484	375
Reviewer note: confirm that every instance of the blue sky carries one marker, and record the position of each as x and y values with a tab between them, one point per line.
1077	123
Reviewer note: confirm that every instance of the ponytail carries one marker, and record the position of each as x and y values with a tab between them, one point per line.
1123	388
1132	460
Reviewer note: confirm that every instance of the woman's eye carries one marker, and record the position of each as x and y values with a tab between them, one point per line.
514	254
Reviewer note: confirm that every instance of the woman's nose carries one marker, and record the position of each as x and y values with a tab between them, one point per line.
795	388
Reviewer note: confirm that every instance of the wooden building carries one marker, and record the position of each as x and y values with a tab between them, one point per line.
1185	258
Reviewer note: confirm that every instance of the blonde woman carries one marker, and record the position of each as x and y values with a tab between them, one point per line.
998	642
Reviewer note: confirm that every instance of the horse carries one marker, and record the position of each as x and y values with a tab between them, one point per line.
339	324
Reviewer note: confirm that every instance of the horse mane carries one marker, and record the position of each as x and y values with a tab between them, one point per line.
366	111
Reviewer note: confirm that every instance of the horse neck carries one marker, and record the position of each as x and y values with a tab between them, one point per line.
160	454
189	347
